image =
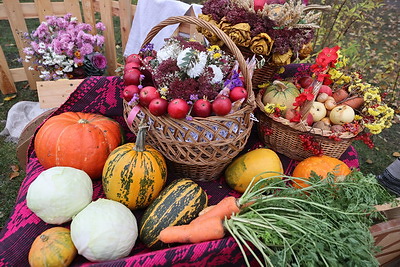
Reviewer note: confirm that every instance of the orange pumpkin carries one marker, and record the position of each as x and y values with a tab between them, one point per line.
53	247
321	165
79	140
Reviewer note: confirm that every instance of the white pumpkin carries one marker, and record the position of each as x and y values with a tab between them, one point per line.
59	193
104	230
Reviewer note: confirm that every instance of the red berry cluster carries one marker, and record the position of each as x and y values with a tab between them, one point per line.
334	137
366	138
309	144
267	130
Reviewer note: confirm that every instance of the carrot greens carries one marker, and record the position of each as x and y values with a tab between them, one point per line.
326	224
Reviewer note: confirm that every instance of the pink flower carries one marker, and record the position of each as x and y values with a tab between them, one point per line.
99	61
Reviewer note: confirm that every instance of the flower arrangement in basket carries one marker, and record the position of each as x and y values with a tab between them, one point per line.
61	47
198	100
277	32
331	108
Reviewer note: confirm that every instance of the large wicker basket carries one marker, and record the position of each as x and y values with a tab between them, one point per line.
283	135
201	148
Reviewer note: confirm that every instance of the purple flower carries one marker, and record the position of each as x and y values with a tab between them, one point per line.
99	61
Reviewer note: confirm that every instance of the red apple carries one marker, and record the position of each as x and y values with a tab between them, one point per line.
132	76
158	106
238	93
133	58
259	4
131	65
147	94
309	119
178	108
202	108
305	81
325	89
129	91
221	106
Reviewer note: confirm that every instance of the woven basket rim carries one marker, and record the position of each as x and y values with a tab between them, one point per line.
301	126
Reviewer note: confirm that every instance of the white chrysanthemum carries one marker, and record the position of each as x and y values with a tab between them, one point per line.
42	45
67	68
218	75
172	51
59	72
198	68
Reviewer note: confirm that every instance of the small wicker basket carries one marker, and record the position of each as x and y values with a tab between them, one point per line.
284	135
201	148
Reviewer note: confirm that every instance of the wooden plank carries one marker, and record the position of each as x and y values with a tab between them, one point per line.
73	7
17	24
44	8
7	85
125	20
19	75
110	52
29	10
54	93
89	13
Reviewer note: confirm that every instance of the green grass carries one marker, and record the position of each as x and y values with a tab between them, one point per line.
371	160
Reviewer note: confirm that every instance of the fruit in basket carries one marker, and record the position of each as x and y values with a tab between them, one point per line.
78	140
221	106
158	106
354	102
342	114
134	173
130	91
238	93
147	94
340	95
305	81
133	58
322	97
241	171
202	108
132	76
104	230
330	103
321	165
281	92
325	89
59	193
178	108
131	65
183	198
53	247
322	125
318	111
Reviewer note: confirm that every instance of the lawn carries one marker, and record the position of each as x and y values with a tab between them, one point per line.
381	49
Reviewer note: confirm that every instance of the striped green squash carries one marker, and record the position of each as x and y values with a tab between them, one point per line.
179	203
134	173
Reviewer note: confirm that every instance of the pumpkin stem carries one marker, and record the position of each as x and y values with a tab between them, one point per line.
281	86
141	137
83	121
44	238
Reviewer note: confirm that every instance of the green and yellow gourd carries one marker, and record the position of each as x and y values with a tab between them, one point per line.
134	173
280	92
179	203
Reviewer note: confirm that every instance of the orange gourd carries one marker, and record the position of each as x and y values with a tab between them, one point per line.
53	247
321	165
79	140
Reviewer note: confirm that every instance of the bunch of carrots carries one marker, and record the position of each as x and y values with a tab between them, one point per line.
286	225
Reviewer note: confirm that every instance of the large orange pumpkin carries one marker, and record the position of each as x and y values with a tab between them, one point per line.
79	140
321	165
53	247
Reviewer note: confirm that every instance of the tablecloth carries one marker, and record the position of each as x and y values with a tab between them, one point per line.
103	95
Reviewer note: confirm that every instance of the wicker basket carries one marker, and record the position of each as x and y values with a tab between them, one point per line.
201	148
284	135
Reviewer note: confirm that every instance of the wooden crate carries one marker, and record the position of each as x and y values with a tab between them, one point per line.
54	93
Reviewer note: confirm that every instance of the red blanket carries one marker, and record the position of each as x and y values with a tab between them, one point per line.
102	95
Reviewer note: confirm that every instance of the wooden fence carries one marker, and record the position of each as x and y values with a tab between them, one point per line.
85	10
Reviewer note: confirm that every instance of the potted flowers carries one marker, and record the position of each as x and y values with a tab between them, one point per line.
61	47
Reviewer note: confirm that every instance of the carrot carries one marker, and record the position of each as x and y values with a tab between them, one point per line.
206	230
225	208
206	209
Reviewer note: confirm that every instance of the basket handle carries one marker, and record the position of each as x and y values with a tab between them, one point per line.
305	109
221	35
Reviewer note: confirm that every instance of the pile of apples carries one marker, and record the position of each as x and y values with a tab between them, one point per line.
329	111
138	82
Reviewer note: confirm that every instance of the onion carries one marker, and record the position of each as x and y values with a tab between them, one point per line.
59	193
